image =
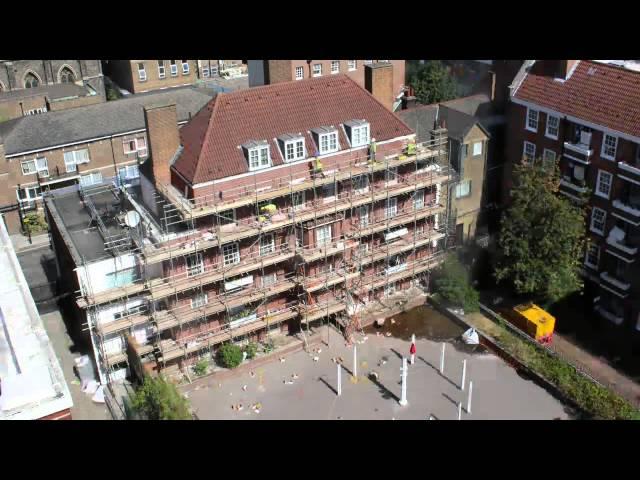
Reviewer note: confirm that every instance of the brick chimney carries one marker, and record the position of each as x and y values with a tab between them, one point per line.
164	140
559	68
378	80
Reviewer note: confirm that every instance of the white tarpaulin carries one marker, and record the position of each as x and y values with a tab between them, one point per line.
470	337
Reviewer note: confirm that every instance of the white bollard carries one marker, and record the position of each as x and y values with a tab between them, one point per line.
339	380
355	361
464	374
442	359
469	399
403	399
459	410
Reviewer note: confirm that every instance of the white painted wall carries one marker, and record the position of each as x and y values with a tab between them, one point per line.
106	312
92	277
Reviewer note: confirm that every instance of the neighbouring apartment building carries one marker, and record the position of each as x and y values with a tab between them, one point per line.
584	114
30	87
80	145
266	72
273	209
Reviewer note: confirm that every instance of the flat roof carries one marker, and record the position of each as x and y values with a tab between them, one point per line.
32	382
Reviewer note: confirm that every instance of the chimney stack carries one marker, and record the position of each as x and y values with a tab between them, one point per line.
164	140
378	80
559	68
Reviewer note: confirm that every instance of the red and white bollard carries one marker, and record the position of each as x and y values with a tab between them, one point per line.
412	349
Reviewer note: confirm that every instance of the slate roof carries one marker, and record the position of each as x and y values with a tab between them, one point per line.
605	95
212	138
421	119
57	91
48	130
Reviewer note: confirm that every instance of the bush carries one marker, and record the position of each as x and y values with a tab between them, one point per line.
201	367
157	399
452	285
251	349
34	223
230	355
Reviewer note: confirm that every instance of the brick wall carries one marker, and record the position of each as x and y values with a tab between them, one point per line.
378	80
164	140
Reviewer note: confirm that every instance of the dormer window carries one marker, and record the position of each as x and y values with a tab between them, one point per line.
293	147
258	155
358	132
326	139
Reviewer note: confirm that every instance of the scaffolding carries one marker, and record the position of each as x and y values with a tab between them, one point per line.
198	263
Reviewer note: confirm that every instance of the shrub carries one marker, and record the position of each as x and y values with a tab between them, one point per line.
230	355
201	367
157	399
251	349
452	285
34	223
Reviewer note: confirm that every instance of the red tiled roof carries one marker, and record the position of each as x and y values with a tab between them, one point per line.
212	137
598	93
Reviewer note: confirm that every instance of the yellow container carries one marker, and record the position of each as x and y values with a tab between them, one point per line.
533	320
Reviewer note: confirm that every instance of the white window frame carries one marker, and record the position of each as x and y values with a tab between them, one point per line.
173	68
128	172
257	159
199	300
477	148
323	235
592	226
194	264
391	176
161	70
590	250
335	66
40	165
602	174
205	72
140	146
142	73
29	197
185	67
299	72
316	69
548	131
463	192
367	62
331	145
529	120
298	200
272	279
605	146
418	199
227	217
391	207
360	135
92	177
352	65
360	183
363	215
71	159
549	157
524	152
298	150
267	244
230	254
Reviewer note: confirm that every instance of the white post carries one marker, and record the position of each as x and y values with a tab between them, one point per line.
403	399
413	342
469	399
355	361
339	380
459	410
442	359
464	374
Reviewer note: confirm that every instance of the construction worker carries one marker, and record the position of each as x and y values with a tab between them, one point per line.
372	149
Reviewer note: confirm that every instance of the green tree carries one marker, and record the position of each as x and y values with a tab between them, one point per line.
230	355
542	236
432	83
452	283
158	399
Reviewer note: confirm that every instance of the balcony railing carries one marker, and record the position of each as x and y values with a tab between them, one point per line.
577	152
627	211
628	171
614	284
620	248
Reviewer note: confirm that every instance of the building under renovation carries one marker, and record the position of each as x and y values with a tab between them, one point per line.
274	209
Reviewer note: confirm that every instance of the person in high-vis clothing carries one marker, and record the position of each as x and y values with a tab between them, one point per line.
372	149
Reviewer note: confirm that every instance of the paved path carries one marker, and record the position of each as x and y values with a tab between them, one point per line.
21	242
499	393
594	366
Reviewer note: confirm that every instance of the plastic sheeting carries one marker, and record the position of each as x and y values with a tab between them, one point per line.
470	337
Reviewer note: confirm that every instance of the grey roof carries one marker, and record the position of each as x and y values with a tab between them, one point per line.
51	129
474	105
421	120
457	123
59	90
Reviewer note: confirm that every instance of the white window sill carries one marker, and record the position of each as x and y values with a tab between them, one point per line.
531	129
598	232
301	78
602	195
551	136
593	267
606	157
335	73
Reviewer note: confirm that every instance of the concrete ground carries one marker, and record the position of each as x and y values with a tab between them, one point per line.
83	407
498	392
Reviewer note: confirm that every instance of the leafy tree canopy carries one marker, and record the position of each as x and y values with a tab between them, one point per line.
452	284
542	236
158	399
432	83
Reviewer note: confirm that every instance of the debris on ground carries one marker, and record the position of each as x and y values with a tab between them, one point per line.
252	374
295	376
282	359
244	388
388	334
316	358
288	382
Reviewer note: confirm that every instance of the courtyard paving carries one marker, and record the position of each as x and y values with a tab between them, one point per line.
499	393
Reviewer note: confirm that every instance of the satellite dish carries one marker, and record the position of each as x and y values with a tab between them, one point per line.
132	218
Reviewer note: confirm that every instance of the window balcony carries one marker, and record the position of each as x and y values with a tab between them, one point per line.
577	152
627	211
629	172
618	247
606	314
573	188
614	285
